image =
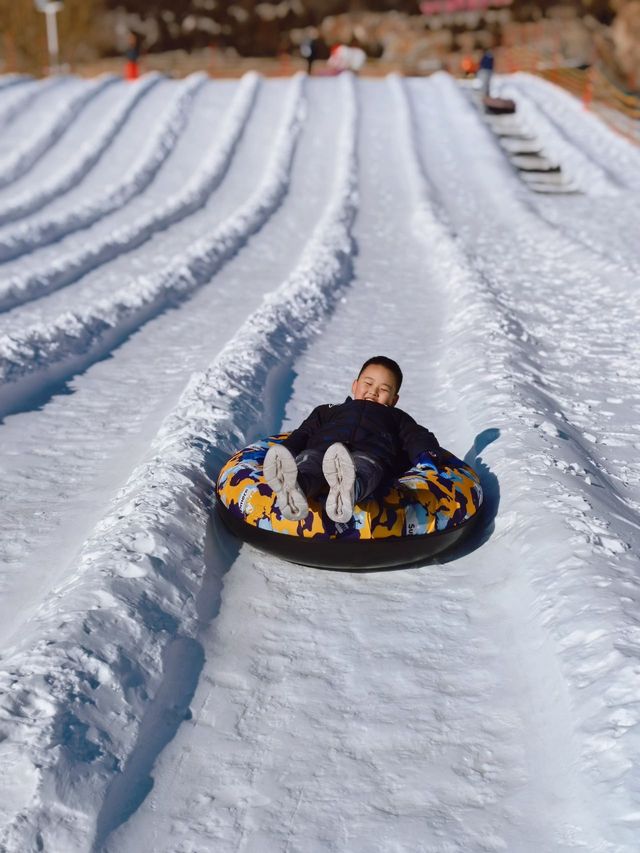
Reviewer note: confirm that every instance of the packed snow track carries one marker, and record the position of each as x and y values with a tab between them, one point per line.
186	265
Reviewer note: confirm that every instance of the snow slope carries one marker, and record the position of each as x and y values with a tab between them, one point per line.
164	687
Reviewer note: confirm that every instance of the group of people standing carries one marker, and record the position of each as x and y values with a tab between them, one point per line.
341	57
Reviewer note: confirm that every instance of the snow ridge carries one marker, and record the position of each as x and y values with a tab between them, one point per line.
95	330
8	80
21	160
88	156
511	382
29	235
67	268
17	101
75	700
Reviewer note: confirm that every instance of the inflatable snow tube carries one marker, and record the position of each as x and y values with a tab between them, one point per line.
499	106
421	513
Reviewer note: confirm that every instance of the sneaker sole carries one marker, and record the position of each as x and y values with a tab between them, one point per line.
280	473
340	473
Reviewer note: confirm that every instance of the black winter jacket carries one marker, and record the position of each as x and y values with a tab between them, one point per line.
388	434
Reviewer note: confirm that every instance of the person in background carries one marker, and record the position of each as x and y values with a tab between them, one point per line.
485	72
309	52
132	55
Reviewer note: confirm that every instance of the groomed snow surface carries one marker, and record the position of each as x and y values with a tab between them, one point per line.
187	265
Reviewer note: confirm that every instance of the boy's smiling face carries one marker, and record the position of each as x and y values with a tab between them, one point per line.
377	384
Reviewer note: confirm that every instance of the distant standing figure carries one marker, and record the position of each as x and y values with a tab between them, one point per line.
132	54
309	51
485	72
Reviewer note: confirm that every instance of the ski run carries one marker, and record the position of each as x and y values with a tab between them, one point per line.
187	265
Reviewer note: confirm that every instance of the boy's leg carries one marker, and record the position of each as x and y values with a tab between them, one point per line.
310	475
368	474
281	475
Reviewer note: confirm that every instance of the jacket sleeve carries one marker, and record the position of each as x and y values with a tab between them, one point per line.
298	439
417	439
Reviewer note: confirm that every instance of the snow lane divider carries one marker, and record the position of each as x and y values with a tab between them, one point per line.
16	102
69	267
8	80
26	236
21	160
88	156
78	683
74	340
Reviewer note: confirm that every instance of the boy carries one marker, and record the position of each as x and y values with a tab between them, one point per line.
352	446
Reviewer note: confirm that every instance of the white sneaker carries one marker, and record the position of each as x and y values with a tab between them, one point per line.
281	475
340	473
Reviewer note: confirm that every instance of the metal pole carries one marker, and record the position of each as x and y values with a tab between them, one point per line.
51	10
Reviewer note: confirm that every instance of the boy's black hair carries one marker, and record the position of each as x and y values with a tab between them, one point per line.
389	363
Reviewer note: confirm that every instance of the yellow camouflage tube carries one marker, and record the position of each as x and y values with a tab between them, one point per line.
422	512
